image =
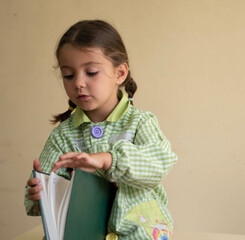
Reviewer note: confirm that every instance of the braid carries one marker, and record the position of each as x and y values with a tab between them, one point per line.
63	116
130	86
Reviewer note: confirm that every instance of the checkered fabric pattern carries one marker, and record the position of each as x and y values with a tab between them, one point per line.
142	157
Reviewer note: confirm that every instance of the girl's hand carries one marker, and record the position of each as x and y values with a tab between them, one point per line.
33	183
84	161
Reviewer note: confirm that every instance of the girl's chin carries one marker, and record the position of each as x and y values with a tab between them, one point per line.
85	107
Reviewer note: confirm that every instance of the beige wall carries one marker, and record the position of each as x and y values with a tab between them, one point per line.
188	59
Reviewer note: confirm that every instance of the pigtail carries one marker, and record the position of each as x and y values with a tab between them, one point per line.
130	87
63	116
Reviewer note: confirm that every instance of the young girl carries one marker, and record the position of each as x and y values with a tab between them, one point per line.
107	135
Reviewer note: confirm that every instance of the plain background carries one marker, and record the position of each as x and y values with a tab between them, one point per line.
188	60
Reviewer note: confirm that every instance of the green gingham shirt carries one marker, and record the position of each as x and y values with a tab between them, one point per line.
141	155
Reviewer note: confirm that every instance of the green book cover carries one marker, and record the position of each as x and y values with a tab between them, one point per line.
89	209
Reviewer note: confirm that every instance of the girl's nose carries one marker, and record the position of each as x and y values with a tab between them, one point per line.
80	82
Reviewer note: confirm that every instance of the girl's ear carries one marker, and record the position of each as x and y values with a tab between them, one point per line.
122	73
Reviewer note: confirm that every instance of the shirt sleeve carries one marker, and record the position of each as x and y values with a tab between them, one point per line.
146	161
49	155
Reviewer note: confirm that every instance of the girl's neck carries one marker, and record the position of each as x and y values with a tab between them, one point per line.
100	116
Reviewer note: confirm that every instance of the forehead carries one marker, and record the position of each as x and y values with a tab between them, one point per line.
71	54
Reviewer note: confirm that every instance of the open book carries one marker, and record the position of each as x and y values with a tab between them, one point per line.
75	209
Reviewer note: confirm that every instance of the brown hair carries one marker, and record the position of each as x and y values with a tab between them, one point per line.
97	33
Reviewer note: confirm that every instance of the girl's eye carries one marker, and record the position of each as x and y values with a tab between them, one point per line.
91	74
70	76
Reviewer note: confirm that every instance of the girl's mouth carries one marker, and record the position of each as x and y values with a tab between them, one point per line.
83	97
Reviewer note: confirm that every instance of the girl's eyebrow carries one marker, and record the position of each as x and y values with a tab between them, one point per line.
83	65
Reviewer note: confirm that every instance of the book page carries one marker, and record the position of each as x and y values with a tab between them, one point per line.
56	190
45	206
44	181
63	209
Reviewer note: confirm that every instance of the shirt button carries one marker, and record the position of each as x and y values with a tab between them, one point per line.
111	236
97	132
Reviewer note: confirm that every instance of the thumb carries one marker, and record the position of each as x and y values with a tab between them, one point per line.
72	172
37	166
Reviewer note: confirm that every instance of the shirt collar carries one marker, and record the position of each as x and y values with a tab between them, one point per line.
123	105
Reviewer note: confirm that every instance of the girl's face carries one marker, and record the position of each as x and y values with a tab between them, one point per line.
90	80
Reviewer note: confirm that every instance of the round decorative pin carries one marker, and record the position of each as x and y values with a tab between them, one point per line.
97	132
111	236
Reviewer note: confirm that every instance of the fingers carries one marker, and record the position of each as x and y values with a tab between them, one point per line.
34	190
35	197
37	166
69	155
33	182
67	163
72	172
70	160
82	161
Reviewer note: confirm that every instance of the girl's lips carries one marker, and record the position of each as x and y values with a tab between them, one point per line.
83	97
